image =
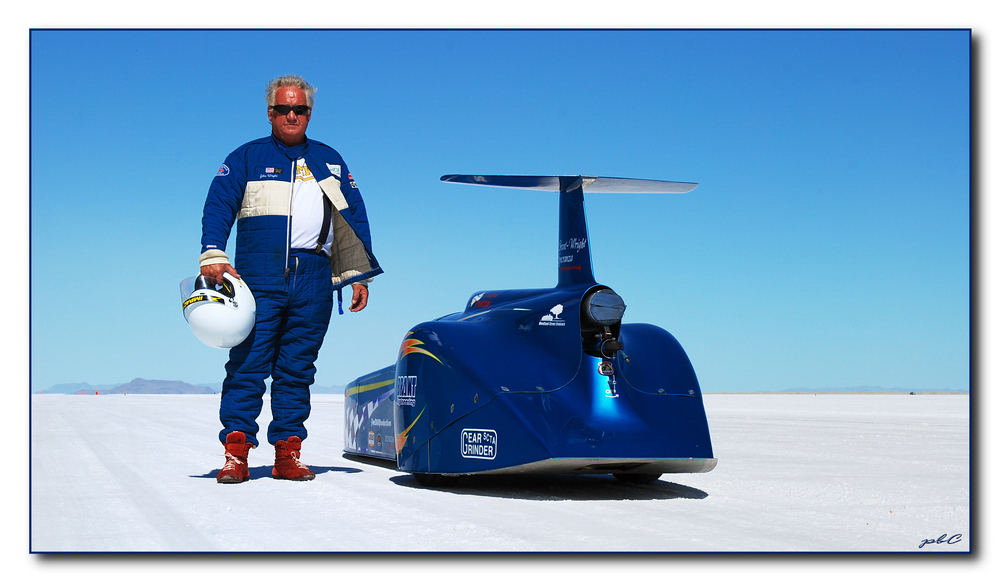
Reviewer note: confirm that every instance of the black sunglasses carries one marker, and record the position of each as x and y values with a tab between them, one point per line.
284	109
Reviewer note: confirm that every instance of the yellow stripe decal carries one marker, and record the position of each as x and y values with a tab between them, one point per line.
368	387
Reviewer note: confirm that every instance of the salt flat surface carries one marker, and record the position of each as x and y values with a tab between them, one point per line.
799	473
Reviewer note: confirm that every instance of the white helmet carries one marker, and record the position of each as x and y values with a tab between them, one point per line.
220	316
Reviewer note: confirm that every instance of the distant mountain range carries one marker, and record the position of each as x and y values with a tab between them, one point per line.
141	386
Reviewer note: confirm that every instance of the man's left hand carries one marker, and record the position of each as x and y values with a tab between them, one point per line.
360	299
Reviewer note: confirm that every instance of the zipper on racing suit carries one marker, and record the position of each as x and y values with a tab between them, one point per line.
288	225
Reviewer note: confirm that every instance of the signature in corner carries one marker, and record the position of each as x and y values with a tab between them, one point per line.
943	539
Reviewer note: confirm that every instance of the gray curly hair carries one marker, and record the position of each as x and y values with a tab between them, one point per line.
290	81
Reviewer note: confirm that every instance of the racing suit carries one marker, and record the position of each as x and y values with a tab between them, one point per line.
293	287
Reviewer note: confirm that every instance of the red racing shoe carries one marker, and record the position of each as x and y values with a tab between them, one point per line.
235	470
286	461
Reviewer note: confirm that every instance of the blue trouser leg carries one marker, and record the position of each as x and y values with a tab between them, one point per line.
249	364
307	319
288	333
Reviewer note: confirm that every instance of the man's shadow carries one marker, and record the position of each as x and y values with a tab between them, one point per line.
259	472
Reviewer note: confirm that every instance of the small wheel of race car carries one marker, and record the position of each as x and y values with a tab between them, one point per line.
435	480
637	478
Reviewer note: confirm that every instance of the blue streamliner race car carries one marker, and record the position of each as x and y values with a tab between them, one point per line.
537	380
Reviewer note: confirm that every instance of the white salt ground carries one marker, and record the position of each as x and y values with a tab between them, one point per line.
796	473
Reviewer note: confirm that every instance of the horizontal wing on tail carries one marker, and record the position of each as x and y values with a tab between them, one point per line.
589	183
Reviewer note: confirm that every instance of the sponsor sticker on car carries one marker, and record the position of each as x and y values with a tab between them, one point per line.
479	444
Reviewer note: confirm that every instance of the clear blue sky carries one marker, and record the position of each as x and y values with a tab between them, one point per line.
826	246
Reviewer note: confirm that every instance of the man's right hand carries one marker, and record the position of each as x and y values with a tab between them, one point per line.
213	273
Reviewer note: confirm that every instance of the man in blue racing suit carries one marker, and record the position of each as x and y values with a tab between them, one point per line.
301	234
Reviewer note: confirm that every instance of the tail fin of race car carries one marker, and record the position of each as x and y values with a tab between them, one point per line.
574	262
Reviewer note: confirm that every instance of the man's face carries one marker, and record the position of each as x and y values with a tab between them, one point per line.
290	128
